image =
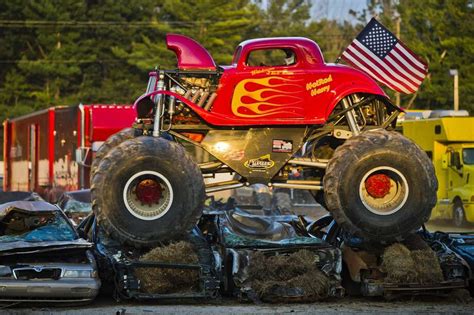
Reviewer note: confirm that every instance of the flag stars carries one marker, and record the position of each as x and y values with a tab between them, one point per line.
378	40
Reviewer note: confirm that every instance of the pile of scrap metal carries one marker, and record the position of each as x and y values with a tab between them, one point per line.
459	245
271	258
231	252
424	264
175	271
224	253
42	257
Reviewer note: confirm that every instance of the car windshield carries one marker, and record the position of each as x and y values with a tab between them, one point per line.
35	227
73	205
468	156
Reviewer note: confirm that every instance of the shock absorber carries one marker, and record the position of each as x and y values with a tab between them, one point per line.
159	105
350	116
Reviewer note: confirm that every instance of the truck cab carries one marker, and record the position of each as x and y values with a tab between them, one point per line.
458	164
448	138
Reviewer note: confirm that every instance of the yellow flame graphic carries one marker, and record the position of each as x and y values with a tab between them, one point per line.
289	89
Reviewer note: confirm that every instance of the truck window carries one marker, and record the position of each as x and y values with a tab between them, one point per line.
271	57
237	55
468	156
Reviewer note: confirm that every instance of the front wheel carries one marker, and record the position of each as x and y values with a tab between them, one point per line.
147	191
380	186
459	216
111	142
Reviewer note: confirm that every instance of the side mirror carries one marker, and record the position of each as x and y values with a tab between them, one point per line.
456	160
81	155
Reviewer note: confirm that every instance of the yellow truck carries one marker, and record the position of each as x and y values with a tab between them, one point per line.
448	138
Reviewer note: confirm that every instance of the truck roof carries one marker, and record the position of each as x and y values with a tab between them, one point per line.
446	129
308	47
43	111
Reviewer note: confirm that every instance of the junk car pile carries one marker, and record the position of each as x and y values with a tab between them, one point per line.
235	252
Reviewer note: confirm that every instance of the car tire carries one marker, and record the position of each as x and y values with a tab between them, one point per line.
380	186
459	216
147	191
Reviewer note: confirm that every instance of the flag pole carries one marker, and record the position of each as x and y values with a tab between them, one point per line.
398	20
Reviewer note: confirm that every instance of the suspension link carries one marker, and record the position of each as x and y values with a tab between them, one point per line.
350	116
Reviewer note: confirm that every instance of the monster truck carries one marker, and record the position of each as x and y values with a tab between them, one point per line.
277	109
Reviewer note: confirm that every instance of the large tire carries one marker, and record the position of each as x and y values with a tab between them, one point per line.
323	149
147	191
380	186
111	142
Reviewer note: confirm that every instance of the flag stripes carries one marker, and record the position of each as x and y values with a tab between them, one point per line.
381	55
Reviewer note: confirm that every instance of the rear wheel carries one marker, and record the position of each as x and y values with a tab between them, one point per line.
147	191
380	186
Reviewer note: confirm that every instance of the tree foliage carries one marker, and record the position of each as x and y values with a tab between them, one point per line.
441	32
65	52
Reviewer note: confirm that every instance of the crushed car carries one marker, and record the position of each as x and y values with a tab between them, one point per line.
42	258
174	271
76	204
460	245
219	256
419	265
9	196
271	258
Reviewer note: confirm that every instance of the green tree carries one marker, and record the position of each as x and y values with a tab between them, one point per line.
442	33
219	25
293	18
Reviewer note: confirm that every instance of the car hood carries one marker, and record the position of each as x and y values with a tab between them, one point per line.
22	247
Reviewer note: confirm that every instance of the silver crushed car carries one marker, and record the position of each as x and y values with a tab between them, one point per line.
42	258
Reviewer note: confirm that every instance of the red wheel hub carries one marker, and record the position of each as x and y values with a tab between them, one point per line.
378	185
149	191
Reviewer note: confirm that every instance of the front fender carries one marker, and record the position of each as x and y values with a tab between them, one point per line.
355	82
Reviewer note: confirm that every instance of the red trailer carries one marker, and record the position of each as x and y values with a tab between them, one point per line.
51	150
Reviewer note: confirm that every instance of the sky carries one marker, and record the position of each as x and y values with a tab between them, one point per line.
336	9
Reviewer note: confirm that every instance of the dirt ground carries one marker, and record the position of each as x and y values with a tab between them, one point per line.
334	306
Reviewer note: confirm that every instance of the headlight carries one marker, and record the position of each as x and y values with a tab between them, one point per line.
78	274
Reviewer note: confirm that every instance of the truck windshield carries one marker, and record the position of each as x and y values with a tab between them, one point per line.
468	156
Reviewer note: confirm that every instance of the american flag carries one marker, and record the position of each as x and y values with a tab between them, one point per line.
381	55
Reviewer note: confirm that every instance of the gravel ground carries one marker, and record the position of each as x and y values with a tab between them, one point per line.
335	306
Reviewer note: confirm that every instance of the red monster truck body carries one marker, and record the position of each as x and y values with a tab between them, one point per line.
304	92
278	109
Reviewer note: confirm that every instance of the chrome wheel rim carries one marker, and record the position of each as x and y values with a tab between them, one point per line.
148	195
383	190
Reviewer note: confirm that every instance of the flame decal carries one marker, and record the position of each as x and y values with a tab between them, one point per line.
268	96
